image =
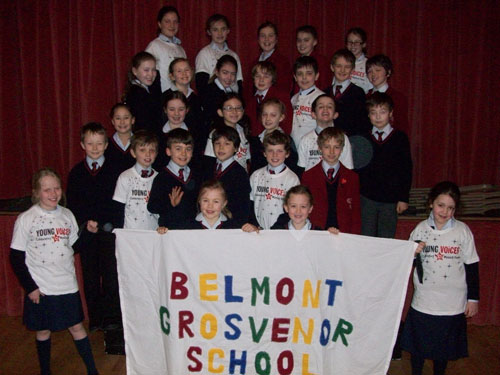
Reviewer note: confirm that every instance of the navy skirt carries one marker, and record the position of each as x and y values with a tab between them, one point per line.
53	313
441	337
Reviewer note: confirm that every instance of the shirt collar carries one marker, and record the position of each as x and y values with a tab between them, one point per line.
307	226
226	163
382	88
361	57
175	88
265	55
277	170
219	85
263	93
174	168
214	46
205	223
166	128
386	130
327	166
118	141
449	224
139	168
139	83
263	134
99	161
344	85
319	129
307	91
173	40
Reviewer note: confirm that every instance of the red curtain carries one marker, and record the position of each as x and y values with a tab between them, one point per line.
64	63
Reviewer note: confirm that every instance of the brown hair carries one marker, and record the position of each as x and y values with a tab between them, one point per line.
214	184
329	133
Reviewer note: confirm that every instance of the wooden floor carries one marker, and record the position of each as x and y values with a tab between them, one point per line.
18	354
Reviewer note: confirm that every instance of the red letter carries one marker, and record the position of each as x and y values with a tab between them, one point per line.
185	319
280	327
197	366
288	355
178	290
285	300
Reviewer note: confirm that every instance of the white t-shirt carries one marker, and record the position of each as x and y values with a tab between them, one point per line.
359	76
243	153
303	122
444	290
165	53
47	237
268	193
133	190
310	155
207	59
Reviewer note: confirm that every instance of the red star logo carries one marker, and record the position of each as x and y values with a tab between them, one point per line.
239	154
55	238
268	196
439	256
146	198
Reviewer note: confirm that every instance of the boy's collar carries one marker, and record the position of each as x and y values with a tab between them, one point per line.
226	163
263	93
382	88
277	170
307	91
386	129
319	128
99	161
139	168
327	166
174	168
344	84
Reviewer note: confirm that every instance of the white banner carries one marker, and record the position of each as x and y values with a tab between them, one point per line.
277	302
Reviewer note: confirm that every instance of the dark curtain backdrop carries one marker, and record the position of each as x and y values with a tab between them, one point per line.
64	63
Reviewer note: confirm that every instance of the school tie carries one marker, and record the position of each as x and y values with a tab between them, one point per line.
272	171
379	135
329	174
338	94
181	174
260	98
218	170
95	166
369	93
144	173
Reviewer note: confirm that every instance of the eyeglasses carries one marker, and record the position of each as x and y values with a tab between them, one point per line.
356	43
231	109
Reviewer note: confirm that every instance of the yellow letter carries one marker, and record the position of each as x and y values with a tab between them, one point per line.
205	287
212	323
305	365
308	294
297	327
211	354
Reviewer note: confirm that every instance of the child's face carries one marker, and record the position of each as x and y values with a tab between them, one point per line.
271	116
224	149
355	44
183	74
122	120
379	116
176	112
226	75
341	69
275	155
169	24
267	39
330	151
146	72
324	113
305	43
180	153
232	112
306	77
49	194
377	75
443	209
262	80
212	202
218	32
145	154
298	209
94	145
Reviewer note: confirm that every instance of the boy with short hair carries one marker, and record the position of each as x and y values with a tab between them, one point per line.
349	98
385	182
226	169
379	68
334	187
91	184
134	185
305	71
175	189
270	183
323	111
264	82
217	27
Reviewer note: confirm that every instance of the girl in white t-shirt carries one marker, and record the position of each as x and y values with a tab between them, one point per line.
446	287
42	258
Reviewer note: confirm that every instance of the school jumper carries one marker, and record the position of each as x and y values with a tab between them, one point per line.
120	158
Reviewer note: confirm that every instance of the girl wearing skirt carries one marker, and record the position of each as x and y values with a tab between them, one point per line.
42	258
448	291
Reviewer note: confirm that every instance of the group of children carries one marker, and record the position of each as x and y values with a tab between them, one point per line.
185	160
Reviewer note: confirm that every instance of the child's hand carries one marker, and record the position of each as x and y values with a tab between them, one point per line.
333	230
401	207
92	226
249	228
34	296
175	196
471	309
162	230
419	248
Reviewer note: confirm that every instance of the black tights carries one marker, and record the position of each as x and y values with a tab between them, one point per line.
417	365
